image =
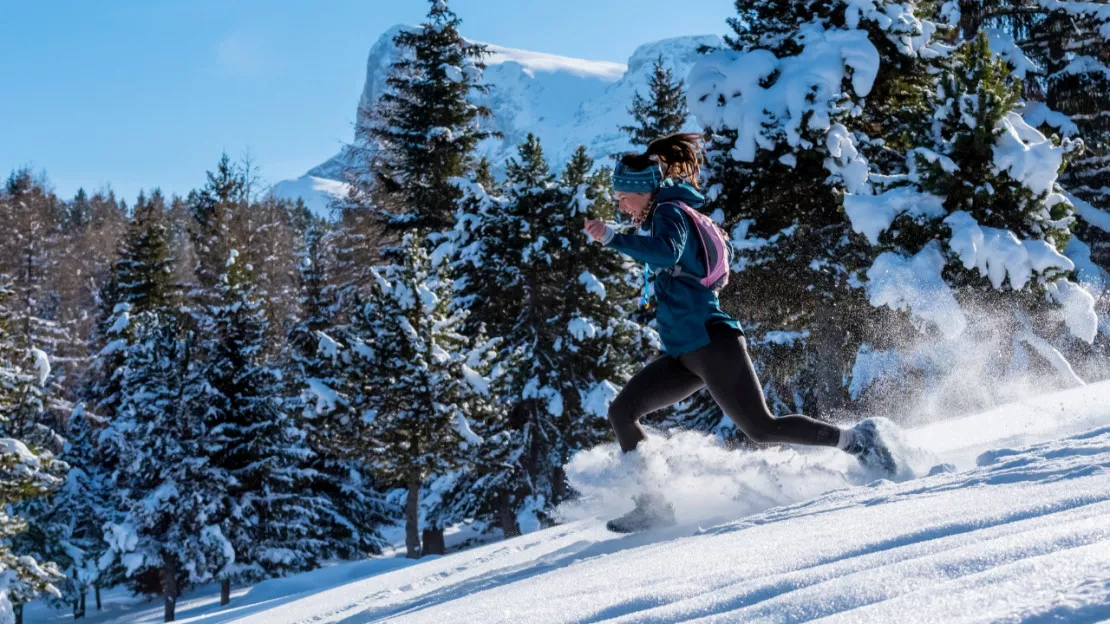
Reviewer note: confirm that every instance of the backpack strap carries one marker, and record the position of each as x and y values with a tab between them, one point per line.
676	270
699	222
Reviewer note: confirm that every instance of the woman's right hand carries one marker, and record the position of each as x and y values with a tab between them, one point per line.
596	229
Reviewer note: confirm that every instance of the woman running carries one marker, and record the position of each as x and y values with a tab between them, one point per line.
703	346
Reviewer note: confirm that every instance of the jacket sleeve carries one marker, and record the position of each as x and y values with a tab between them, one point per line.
664	247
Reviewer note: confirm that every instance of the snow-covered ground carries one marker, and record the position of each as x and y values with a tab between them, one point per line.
1006	517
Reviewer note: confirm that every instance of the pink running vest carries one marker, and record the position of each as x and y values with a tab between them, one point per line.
714	246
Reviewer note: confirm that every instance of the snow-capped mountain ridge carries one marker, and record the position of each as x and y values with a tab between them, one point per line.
564	101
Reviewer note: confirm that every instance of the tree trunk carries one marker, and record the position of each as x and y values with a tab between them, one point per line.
433	542
412	516
18	610
169	588
97	586
76	608
225	591
559	481
509	526
84	592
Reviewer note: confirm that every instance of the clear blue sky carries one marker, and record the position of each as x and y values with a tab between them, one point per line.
138	94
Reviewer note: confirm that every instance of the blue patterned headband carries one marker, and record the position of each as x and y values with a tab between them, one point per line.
626	180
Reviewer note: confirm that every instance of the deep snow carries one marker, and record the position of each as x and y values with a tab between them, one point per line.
1008	519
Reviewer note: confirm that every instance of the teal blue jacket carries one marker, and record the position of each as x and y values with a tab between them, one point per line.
685	307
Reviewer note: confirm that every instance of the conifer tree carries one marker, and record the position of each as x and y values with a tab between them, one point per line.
339	499
419	388
25	475
168	527
250	442
424	127
29	472
771	118
213	209
663	112
78	505
606	344
138	386
970	239
1061	51
139	281
510	279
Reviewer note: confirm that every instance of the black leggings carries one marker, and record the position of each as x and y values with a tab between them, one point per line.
725	367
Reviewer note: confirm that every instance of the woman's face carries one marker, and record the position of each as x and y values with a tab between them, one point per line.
633	204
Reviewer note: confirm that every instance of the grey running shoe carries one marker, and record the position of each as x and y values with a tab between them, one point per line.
651	512
869	449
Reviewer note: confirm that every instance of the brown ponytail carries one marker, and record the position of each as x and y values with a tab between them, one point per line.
680	155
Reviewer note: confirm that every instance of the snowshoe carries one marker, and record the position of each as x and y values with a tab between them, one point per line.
651	512
869	449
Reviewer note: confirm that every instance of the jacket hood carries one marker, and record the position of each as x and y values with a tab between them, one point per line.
673	189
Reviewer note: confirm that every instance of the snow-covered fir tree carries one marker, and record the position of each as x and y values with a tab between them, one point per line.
1060	50
78	507
249	440
25	475
140	282
604	344
971	238
424	127
417	385
29	472
213	208
339	499
510	269
789	101
168	501
663	112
